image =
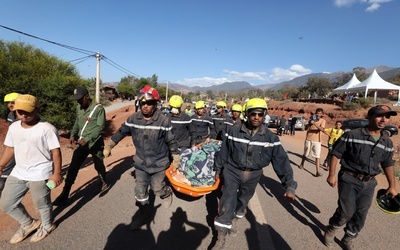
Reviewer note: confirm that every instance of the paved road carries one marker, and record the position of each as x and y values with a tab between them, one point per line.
92	222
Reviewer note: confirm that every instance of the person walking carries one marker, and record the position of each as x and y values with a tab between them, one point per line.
267	118
202	126
236	112
316	126
86	134
292	125
36	147
360	151
221	120
180	122
11	117
241	166
334	134
154	142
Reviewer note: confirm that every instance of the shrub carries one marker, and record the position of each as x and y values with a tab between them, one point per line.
347	105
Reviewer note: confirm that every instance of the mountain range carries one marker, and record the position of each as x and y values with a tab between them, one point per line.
240	86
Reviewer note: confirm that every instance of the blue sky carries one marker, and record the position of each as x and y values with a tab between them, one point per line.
207	42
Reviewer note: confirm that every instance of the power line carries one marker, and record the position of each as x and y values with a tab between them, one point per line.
87	52
114	64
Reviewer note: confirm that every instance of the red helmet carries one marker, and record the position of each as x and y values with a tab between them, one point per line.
148	93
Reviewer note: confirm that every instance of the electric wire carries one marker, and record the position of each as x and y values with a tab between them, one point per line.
87	52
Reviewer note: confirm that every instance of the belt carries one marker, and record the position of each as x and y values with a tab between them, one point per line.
360	177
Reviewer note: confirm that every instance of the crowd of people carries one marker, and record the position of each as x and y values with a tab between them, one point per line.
31	158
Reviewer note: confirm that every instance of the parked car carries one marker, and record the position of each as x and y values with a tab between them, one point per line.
273	122
354	123
300	123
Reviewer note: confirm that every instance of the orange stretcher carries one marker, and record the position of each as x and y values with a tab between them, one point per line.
188	189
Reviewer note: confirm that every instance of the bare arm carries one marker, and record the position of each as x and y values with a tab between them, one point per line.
332	171
6	157
389	173
57	161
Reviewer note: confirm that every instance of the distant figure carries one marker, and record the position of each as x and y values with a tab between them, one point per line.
292	125
316	125
334	134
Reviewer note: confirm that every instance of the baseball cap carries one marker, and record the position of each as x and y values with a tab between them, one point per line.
381	110
26	103
79	92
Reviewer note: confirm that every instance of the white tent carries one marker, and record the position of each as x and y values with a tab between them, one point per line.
374	82
344	88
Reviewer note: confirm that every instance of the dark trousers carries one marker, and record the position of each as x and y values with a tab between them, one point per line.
292	129
156	181
355	198
328	156
239	187
80	155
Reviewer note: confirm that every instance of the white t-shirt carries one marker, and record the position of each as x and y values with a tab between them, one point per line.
267	119
32	150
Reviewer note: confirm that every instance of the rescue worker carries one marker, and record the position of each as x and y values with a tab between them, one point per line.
202	126
152	137
236	111
242	167
180	122
11	117
221	120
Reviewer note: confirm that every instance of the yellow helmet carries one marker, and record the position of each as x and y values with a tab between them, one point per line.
221	104
244	107
10	97
175	101
256	103
200	104
237	107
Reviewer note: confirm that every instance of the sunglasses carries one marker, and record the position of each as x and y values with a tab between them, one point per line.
148	103
219	107
253	114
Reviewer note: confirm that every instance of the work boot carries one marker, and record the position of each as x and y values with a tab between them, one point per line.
220	244
140	218
167	197
329	236
347	242
233	230
62	199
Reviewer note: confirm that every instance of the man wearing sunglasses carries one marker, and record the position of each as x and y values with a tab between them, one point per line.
154	142
246	149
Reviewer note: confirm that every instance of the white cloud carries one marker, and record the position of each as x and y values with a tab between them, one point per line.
344	3
275	75
373	4
203	81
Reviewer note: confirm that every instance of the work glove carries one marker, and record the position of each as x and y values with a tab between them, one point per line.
176	159
107	149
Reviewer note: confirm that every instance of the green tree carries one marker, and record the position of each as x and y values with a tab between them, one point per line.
27	70
210	94
320	86
126	86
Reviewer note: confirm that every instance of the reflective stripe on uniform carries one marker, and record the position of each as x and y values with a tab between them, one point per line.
200	120
181	122
216	223
256	143
147	127
366	142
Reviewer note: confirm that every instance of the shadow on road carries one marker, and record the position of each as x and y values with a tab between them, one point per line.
307	160
275	188
182	234
87	191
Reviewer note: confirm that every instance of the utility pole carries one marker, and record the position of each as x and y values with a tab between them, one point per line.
98	56
166	92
